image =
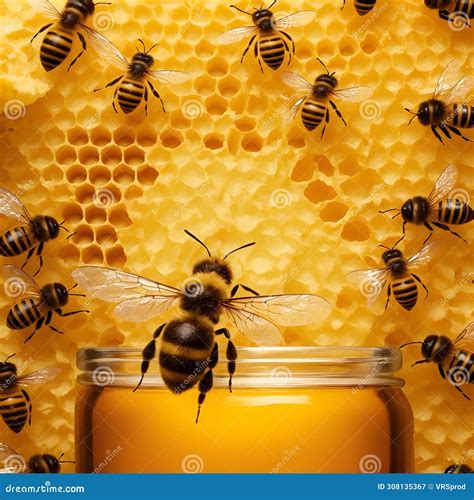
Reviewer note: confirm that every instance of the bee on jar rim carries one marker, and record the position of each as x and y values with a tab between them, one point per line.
57	42
434	210
314	101
453	10
455	358
446	110
270	42
39	464
362	7
397	273
31	235
188	350
36	305
15	403
137	74
458	469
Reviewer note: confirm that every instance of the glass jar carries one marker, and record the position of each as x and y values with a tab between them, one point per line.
292	409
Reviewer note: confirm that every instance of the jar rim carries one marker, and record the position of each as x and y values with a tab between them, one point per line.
258	366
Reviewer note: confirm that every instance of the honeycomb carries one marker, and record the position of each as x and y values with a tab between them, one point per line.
221	163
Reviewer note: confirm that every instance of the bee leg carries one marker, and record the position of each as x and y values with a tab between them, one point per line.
72	313
110	84
247	288
441	371
444	15
114	99
443	129
389	292
446	228
231	354
403	234
325	125
422	284
458	132
146	101
38	325
287	49
84	48
433	129
419	362
431	232
155	93
38	253
247	48
28	256
293	48
205	385
343	4
44	28
462	392
30	406
257	56
149	353
338	113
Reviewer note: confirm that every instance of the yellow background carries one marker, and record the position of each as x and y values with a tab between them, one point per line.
221	164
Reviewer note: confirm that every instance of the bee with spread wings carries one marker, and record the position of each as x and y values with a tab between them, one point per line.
456	357
313	99
15	403
398	273
41	463
435	210
132	86
57	43
446	110
267	35
189	350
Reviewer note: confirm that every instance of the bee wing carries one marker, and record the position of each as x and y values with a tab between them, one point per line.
17	283
459	91
353	94
293	111
137	297
450	86
444	184
296	82
39	376
298	19
170	77
45	7
107	51
424	256
12	207
13	462
466	338
370	282
236	34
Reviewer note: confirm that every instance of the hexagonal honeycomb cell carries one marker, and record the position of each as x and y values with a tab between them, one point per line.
222	164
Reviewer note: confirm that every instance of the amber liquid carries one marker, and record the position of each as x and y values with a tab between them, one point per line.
251	430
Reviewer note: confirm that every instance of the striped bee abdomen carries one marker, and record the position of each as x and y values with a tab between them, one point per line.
23	314
272	50
462	116
184	353
130	94
454	211
363	7
312	113
466	7
14	410
405	292
461	368
16	241
55	48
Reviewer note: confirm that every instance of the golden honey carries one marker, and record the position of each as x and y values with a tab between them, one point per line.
291	410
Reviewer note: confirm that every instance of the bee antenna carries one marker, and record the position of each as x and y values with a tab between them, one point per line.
198	240
71	235
141	41
151	48
11	356
384	246
240	10
240	248
103	3
409	343
324	66
274	2
388	210
396	215
413	117
72	288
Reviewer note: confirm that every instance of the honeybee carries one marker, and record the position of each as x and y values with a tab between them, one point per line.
434	210
398	273
315	98
133	84
36	305
448	10
189	351
456	357
57	43
31	235
458	469
271	42
362	7
445	110
15	403
41	463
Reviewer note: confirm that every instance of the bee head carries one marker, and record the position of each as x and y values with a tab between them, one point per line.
391	254
427	347
61	293
8	372
52	463
53	226
261	16
407	210
143	58
437	4
327	79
